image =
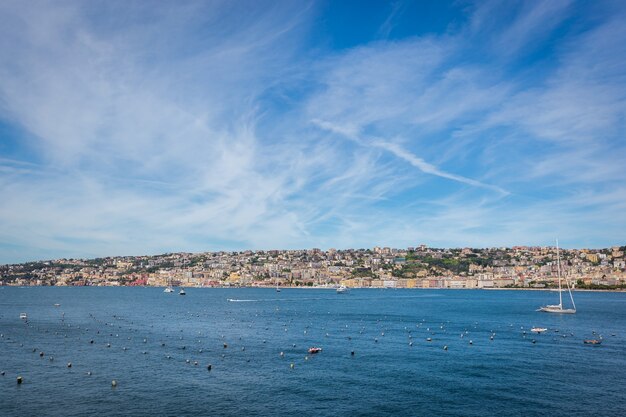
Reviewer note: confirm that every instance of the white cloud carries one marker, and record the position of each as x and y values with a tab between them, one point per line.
204	126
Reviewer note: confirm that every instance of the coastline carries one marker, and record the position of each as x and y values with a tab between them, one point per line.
316	288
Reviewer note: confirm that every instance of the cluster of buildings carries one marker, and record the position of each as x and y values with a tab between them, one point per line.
414	267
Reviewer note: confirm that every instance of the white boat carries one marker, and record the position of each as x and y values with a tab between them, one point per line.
182	292
558	308
169	287
23	316
538	329
342	289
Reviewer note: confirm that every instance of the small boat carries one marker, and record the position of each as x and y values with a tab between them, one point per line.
342	289
182	292
592	341
23	316
277	289
538	329
314	350
57	305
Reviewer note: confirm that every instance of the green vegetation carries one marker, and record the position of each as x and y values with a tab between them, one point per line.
362	272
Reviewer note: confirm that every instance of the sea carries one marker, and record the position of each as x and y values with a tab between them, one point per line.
244	352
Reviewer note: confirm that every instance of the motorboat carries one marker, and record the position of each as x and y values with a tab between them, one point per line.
342	289
592	341
314	350
182	292
538	329
23	316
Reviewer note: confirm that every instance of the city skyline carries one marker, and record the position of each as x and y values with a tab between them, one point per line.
192	127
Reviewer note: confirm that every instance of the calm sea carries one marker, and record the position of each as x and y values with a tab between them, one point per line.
150	342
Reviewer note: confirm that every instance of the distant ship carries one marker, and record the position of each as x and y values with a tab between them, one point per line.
342	289
558	308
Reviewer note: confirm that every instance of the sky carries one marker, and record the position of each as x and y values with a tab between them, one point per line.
142	127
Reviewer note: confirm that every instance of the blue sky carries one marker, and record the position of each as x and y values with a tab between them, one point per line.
142	128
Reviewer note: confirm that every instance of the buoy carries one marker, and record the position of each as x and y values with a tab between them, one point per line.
410	343
69	364
208	367
225	345
195	363
2	373
91	341
243	348
471	343
292	366
41	354
114	383
445	347
88	373
282	354
19	380
186	360
352	353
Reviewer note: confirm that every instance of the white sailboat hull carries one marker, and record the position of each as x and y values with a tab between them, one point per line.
557	309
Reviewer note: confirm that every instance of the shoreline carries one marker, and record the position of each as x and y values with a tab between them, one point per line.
312	288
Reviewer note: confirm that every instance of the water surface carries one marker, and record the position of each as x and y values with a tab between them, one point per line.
149	342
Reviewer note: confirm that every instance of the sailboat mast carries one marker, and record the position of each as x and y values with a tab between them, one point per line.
558	269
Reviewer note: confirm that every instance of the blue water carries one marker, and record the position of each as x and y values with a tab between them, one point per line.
556	375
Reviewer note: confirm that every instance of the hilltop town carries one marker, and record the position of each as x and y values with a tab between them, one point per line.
419	267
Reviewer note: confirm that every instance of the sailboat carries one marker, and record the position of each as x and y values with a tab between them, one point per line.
559	307
169	287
